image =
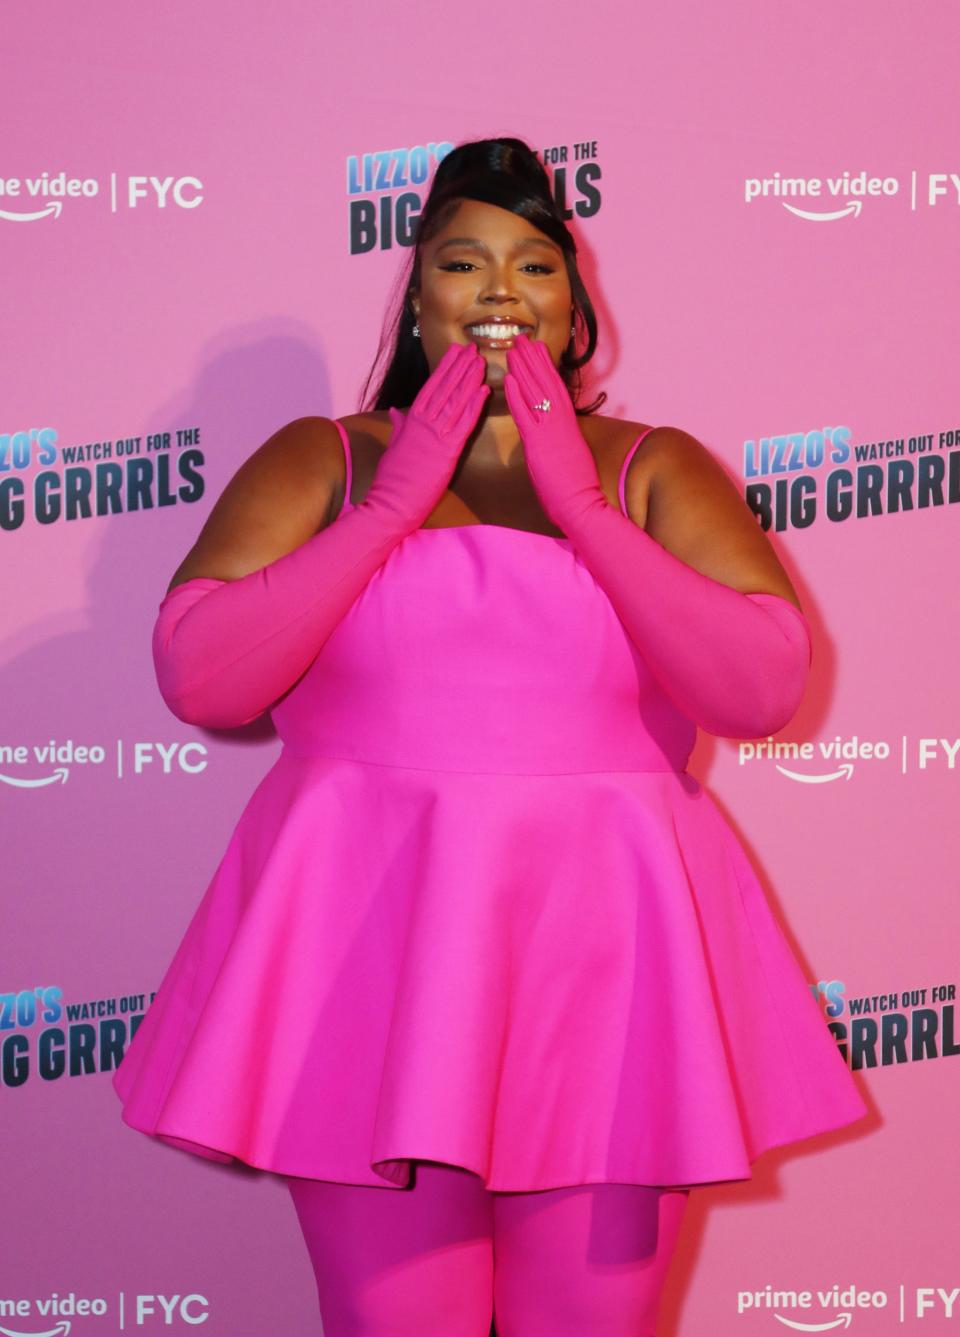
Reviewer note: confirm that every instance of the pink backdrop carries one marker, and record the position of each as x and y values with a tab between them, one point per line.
176	217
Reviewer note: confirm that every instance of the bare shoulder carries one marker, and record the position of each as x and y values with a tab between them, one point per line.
683	468
668	458
695	509
303	452
611	440
278	498
371	428
289	481
669	447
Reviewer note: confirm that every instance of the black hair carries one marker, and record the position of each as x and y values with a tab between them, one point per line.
507	173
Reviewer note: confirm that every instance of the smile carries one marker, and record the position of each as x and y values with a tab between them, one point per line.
496	334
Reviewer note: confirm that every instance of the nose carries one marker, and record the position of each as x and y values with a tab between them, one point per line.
498	286
497	297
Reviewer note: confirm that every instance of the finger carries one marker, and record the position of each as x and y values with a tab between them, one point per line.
458	394
526	383
521	344
425	395
540	354
522	359
447	373
533	364
465	373
546	357
518	410
528	345
550	378
464	356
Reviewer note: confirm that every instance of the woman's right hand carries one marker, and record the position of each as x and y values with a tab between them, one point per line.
413	472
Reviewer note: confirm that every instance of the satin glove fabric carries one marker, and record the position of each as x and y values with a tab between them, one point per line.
737	664
225	651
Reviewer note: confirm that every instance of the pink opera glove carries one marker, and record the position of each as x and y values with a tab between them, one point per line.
225	651
736	664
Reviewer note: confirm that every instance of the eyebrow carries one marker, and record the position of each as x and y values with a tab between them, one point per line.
477	244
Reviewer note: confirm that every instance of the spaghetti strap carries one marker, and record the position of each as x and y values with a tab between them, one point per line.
348	464
625	466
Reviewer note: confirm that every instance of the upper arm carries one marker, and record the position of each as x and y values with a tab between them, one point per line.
276	500
695	511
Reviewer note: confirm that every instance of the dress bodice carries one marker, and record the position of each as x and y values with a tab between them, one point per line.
484	648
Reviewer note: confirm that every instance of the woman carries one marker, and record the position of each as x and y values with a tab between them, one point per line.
479	936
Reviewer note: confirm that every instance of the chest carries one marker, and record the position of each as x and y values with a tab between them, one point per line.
506	497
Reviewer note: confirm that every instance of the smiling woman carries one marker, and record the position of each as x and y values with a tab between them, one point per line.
485	328
504	931
491	246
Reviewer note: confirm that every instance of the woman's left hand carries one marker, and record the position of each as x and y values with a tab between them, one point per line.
559	461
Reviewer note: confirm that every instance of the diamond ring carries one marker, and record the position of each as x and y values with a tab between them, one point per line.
544	404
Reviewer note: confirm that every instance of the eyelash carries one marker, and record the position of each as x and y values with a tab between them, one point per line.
533	264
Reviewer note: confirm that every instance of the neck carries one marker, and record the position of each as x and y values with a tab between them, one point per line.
495	440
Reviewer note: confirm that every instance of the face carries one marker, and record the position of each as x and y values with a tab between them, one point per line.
487	264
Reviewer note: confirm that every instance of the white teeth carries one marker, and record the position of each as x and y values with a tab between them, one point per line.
496	331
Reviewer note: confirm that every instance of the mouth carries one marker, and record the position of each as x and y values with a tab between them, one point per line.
496	334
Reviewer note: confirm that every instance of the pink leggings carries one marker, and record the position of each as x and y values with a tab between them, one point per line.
445	1255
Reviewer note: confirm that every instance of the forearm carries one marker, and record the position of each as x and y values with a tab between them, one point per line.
737	664
225	651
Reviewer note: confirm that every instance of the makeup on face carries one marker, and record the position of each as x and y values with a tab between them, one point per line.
492	279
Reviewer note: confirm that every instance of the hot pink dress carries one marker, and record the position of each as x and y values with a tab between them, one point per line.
479	912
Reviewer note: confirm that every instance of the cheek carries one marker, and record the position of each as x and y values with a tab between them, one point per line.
447	299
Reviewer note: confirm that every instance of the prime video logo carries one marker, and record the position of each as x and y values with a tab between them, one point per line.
917	1303
29	199
849	190
58	757
188	1309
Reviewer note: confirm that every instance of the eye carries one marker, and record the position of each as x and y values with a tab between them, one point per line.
456	265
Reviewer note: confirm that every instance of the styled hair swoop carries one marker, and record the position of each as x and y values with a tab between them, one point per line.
507	173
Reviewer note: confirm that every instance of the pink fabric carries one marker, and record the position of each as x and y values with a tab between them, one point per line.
622	481
479	913
735	663
224	651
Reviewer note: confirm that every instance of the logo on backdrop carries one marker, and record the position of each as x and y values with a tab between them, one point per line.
41	1036
839	758
886	1029
45	482
824	200
144	1310
818	473
837	1305
37	765
31	198
386	189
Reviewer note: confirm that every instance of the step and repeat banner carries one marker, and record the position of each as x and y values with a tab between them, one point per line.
204	215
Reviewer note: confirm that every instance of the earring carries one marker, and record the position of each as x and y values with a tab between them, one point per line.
416	331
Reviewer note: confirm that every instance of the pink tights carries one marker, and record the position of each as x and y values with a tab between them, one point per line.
442	1256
